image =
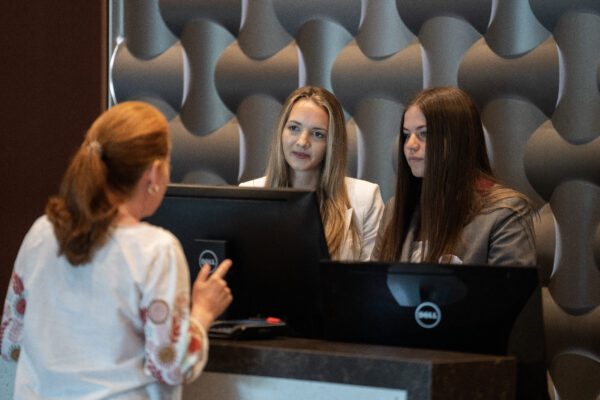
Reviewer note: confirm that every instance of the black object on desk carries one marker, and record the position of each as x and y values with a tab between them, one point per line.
247	329
274	237
468	308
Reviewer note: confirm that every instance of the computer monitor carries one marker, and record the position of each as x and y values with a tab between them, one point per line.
274	237
467	308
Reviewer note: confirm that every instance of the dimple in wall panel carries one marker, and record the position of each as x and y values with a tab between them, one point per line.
220	70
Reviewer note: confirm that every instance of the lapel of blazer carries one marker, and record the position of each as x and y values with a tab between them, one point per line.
347	246
348	219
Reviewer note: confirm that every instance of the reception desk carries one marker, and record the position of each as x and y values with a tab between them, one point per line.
294	368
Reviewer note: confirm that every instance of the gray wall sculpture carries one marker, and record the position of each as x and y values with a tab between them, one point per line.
220	69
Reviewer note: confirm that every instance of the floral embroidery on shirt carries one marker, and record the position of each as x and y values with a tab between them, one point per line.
167	355
20	305
155	372
143	313
18	284
3	327
196	337
173	342
195	344
158	311
11	327
15	351
175	328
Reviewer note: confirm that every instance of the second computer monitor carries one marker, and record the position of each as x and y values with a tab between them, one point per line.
274	237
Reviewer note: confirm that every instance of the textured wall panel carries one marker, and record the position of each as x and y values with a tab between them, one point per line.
178	14
574	363
534	76
145	30
545	236
546	171
444	41
204	42
415	13
294	14
509	122
220	70
576	207
578	107
382	32
255	137
160	77
261	35
513	29
212	157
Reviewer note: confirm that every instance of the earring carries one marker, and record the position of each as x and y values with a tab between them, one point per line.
153	189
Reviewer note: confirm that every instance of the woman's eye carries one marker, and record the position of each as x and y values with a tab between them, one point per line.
319	135
293	128
421	135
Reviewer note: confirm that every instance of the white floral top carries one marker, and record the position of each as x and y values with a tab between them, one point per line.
118	327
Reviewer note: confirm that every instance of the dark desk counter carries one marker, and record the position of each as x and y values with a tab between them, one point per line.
423	374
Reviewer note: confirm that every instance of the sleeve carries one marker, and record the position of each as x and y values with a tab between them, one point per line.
12	319
15	304
176	346
371	219
511	240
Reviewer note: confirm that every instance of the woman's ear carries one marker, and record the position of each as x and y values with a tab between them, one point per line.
152	174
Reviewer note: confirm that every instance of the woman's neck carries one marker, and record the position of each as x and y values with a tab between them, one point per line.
128	214
305	179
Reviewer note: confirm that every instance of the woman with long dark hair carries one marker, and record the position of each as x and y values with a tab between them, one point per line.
448	205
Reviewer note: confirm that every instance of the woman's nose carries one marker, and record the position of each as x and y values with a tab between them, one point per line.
304	139
412	142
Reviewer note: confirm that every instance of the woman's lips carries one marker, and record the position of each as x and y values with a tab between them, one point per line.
301	156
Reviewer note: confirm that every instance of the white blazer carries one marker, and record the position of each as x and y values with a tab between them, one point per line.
367	209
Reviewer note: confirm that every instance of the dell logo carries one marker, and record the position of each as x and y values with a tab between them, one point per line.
208	257
428	315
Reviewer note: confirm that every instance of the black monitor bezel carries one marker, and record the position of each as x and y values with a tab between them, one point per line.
285	284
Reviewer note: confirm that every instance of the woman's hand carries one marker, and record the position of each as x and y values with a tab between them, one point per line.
210	294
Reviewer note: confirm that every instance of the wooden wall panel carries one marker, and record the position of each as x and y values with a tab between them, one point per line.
53	85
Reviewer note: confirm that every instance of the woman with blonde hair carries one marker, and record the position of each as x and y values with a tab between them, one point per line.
99	302
448	205
309	151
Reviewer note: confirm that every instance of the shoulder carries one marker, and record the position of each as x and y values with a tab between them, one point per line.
503	200
144	248
41	225
504	207
260	182
146	237
364	195
39	240
360	189
41	232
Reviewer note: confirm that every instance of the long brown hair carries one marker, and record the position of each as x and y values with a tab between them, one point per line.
119	146
331	191
462	185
